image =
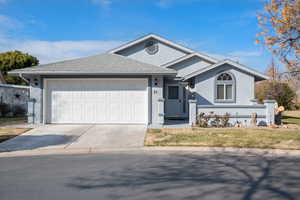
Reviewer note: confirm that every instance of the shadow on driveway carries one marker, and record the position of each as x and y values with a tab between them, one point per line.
30	142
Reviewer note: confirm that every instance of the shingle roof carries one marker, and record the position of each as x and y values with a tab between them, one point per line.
102	64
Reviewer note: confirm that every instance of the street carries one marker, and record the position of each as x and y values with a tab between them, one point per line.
149	175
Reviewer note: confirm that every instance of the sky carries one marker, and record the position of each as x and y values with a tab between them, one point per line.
54	30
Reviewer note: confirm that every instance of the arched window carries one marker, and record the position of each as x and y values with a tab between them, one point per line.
225	87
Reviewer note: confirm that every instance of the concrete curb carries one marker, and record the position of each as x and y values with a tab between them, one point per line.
209	150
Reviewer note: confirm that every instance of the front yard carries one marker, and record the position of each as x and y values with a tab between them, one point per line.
227	137
8	133
11	120
291	117
285	137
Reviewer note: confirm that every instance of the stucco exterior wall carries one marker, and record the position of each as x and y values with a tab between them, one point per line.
35	104
164	55
14	95
205	87
189	66
238	114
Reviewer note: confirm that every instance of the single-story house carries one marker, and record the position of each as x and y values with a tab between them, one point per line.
147	81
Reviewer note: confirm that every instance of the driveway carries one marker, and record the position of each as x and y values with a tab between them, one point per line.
77	136
149	175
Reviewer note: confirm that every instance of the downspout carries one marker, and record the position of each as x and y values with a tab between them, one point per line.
33	102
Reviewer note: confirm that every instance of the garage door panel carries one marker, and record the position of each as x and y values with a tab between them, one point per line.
97	101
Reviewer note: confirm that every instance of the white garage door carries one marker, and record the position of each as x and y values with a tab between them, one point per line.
96	101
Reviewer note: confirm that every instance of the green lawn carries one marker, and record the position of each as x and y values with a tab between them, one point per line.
227	137
11	120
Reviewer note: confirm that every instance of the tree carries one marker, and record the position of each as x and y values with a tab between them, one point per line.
272	71
280	23
15	60
272	89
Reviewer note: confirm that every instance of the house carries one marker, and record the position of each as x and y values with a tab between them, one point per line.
147	81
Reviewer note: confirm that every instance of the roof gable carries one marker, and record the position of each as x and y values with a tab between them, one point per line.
258	76
152	36
189	56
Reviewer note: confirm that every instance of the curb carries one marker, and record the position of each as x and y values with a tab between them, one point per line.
210	150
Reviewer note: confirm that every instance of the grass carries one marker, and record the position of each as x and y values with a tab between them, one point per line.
281	138
11	120
227	137
291	117
8	133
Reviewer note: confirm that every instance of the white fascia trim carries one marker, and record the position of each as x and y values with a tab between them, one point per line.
200	55
227	61
159	38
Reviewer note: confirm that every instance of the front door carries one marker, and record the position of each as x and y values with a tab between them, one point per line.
175	101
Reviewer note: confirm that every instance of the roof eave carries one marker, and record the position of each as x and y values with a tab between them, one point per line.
87	74
237	65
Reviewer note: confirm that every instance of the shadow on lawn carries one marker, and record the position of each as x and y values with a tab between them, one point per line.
191	176
290	120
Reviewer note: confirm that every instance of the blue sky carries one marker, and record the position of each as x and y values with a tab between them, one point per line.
56	30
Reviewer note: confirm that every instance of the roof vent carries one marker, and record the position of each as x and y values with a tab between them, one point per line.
151	47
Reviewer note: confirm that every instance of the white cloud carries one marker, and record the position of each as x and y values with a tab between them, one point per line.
8	23
52	51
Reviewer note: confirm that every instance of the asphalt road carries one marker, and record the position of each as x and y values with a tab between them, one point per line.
149	175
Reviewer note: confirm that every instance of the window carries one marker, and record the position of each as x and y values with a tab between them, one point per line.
151	47
173	92
225	87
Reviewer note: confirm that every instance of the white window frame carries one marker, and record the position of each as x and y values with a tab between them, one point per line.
224	83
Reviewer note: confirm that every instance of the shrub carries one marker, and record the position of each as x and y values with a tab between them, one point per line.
281	92
203	120
19	111
213	120
4	109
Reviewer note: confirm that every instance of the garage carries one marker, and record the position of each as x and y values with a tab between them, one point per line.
96	101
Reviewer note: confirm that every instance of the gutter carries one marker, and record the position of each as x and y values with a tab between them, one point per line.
24	79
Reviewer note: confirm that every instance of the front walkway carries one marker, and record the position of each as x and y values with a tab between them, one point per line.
77	136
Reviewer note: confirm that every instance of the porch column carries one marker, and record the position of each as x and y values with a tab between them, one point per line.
192	112
157	83
270	111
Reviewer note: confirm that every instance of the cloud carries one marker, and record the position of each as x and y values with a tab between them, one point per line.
52	51
7	23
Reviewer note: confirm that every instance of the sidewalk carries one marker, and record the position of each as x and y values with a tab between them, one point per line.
205	150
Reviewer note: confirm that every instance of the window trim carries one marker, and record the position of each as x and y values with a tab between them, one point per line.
232	82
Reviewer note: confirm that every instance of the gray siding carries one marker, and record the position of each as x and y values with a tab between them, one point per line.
164	55
205	87
189	66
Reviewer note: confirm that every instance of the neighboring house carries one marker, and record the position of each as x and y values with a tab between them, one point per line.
148	81
15	97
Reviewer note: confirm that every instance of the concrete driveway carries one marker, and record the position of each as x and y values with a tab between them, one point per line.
78	136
